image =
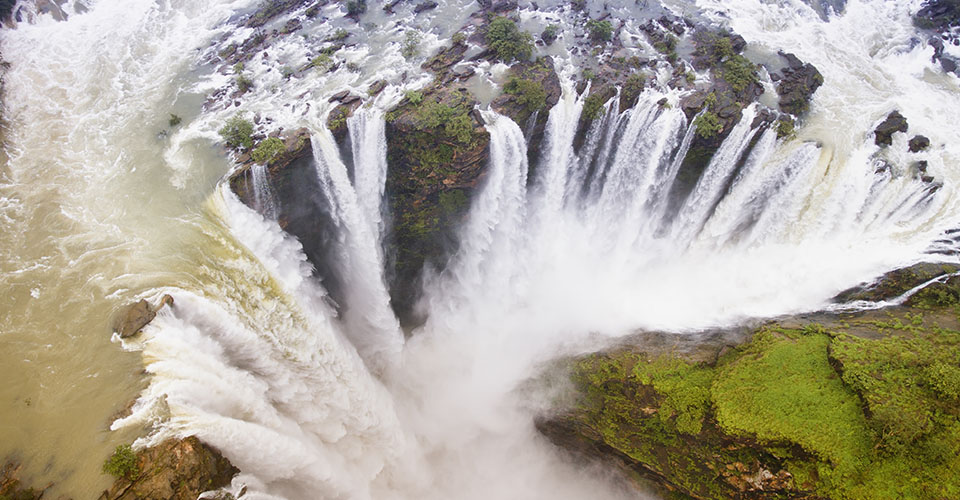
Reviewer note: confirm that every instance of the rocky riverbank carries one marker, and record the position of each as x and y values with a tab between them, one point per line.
861	405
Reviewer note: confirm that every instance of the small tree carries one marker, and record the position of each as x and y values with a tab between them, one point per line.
122	464
600	31
411	44
238	132
508	41
267	150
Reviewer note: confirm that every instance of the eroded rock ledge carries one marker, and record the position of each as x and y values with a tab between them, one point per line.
860	405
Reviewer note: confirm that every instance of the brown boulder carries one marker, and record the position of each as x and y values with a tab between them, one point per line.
174	470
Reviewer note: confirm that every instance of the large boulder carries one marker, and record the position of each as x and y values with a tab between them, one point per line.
797	84
893	123
437	152
174	470
137	315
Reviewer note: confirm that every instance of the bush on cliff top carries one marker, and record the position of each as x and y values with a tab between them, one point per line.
122	464
508	41
527	93
267	150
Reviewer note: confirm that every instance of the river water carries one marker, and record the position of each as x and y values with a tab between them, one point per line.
102	202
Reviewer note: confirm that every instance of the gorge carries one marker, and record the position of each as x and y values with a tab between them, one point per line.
480	249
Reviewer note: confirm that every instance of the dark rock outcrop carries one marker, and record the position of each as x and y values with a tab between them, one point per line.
895	122
425	6
174	470
137	315
797	84
437	151
918	143
938	15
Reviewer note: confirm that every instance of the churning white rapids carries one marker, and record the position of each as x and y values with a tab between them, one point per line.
309	403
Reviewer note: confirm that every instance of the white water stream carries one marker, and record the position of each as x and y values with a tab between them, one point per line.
97	209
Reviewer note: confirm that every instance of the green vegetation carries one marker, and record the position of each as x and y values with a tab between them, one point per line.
549	34
458	38
411	44
507	41
340	35
784	128
122	464
455	122
238	132
238	68
322	62
356	7
739	72
527	93
174	120
846	417
593	105
631	90
414	97
708	124
268	150
244	84
600	31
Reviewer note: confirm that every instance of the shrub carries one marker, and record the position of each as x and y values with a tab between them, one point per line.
739	72
459	38
238	132
267	150
708	124
340	35
784	128
238	68
411	44
456	122
122	464
244	83
632	89
593	105
321	62
508	41
549	34
600	31
174	120
527	93
414	97
356	7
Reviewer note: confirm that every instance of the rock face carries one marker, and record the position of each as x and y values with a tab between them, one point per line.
436	152
138	315
883	134
797	84
938	15
174	470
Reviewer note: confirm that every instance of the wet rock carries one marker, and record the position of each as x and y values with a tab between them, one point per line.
376	87
895	122
12	489
174	470
436	155
444	60
138	315
895	283
798	83
918	143
339	96
504	6
940	15
268	11
424	6
337	120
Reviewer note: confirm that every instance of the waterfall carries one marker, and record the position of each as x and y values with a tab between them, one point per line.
262	193
355	210
315	397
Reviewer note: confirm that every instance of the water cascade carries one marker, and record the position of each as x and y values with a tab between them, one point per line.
313	397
